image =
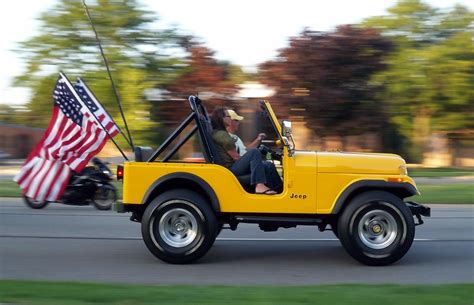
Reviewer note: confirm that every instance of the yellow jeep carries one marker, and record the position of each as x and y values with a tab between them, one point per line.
183	204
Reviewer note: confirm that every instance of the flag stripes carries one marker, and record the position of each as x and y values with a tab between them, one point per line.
72	138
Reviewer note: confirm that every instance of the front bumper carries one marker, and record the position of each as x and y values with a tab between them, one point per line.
418	210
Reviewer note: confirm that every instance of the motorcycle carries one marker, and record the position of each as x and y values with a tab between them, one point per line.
91	186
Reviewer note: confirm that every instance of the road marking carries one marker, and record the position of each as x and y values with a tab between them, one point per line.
218	239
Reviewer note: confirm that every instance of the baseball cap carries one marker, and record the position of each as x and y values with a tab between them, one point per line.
234	116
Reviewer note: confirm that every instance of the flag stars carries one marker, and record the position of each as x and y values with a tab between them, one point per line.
64	98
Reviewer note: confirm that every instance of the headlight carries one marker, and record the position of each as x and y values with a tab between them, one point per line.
403	170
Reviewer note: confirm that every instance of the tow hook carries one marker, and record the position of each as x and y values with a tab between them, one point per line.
136	217
418	210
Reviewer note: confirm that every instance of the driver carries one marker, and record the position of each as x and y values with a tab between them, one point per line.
238	158
234	127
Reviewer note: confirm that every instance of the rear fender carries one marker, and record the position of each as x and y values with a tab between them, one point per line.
182	180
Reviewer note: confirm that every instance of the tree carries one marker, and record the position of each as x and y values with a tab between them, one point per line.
8	114
327	75
429	82
214	81
139	56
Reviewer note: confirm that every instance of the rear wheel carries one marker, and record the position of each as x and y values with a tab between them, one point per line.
376	228
104	197
35	204
179	226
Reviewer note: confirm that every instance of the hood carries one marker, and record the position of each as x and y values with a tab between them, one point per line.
359	163
305	160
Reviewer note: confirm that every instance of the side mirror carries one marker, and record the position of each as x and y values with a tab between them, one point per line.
286	128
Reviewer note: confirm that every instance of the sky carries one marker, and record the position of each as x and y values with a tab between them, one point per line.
245	32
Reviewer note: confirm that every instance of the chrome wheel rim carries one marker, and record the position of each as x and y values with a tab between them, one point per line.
178	228
377	229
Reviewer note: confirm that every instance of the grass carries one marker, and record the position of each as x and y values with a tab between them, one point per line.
446	193
63	293
440	172
9	188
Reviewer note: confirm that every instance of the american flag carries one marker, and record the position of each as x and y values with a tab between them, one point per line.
93	104
72	138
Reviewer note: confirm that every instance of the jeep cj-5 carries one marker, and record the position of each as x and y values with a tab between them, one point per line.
183	205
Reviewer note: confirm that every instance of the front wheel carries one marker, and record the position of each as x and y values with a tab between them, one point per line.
35	204
376	228
179	226
104	197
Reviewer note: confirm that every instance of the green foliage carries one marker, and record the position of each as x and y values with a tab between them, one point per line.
9	188
445	193
440	172
8	114
138	54
429	80
235	75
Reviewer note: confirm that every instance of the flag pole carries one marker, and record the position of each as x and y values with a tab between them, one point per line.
78	98
130	141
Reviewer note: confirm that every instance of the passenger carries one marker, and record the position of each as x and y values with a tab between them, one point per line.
262	174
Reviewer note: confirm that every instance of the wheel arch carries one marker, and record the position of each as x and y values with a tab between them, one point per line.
401	190
180	180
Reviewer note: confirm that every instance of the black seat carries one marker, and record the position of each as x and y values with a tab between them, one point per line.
213	155
143	153
206	125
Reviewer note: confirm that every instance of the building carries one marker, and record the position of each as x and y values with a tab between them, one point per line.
18	141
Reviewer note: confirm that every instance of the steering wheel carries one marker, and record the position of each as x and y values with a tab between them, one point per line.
271	142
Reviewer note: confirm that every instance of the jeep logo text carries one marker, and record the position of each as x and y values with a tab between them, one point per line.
296	196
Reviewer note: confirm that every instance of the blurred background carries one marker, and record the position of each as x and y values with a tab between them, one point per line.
390	76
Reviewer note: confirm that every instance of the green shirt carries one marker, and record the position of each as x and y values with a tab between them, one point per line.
224	143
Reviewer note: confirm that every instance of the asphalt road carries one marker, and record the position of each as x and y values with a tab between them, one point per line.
66	243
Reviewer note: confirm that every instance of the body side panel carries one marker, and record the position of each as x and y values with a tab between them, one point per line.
299	196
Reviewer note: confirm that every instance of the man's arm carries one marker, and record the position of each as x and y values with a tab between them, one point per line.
257	140
234	155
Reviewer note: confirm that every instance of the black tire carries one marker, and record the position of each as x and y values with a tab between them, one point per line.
34	204
104	197
376	228
179	226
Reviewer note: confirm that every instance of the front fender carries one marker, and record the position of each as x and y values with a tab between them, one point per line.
403	190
